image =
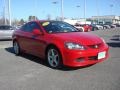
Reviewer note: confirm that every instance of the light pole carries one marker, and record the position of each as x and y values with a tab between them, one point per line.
9	11
97	11
4	12
85	11
111	6
62	15
35	8
55	2
78	6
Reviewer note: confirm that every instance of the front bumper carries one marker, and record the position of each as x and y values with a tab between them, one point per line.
76	58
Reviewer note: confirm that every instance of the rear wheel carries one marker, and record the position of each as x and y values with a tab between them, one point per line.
16	48
54	58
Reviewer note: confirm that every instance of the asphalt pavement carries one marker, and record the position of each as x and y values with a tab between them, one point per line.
27	72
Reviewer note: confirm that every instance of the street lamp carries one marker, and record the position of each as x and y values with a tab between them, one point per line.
97	11
111	6
4	12
62	15
9	11
85	11
78	6
54	2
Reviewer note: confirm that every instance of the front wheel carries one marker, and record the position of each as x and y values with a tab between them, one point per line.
54	58
16	48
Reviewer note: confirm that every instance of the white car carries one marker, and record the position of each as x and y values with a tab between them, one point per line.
99	27
6	32
80	28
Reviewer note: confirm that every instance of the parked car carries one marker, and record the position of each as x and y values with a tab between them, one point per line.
97	27
100	27
94	27
59	44
87	28
117	25
79	27
84	27
6	32
106	26
112	25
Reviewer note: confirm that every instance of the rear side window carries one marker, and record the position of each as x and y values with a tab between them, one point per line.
30	26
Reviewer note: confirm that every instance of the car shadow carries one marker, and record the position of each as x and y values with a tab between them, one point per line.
43	62
27	56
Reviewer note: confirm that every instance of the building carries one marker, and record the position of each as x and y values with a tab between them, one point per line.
108	19
79	21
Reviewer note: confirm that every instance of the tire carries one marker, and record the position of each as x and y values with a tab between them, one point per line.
54	58
16	48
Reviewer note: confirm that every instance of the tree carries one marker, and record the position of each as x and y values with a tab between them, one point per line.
15	22
21	22
3	21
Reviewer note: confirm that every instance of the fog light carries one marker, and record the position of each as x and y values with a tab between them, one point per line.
80	59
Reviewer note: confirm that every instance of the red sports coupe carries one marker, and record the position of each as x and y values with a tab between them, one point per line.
59	43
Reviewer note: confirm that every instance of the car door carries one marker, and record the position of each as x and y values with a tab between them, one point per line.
31	43
38	42
25	38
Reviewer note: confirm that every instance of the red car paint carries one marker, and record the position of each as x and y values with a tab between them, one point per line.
37	45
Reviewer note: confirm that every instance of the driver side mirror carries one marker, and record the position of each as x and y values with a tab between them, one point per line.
37	32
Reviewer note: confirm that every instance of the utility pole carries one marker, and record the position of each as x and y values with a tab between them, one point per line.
78	6
35	9
55	3
9	11
111	6
62	15
85	11
4	7
97	11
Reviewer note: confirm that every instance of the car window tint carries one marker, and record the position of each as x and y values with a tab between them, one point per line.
34	25
30	26
58	27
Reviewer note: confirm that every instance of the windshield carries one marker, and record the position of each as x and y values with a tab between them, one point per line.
58	27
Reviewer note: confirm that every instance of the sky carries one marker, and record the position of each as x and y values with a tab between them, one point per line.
43	8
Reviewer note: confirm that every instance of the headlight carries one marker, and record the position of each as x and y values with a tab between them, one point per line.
74	46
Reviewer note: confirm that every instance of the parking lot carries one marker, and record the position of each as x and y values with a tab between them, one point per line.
27	72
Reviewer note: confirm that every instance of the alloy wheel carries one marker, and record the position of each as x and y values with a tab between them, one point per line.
53	57
16	48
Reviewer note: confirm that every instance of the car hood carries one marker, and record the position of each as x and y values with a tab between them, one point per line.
83	38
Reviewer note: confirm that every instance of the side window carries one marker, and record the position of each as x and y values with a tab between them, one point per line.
34	25
29	27
26	27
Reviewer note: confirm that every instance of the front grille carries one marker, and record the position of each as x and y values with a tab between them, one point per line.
92	58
